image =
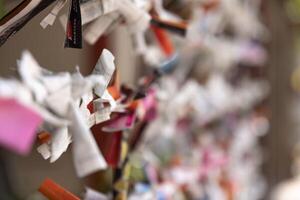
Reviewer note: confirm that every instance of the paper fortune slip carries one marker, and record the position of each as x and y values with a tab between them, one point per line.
18	125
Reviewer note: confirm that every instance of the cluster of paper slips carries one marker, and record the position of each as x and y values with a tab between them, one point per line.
188	130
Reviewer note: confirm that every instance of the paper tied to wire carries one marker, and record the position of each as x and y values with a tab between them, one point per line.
57	99
82	119
105	15
99	16
98	109
137	19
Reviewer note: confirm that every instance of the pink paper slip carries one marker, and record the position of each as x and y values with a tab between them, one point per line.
18	126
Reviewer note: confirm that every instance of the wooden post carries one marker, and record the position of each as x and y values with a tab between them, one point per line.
283	134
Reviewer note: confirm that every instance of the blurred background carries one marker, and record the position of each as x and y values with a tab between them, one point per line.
22	175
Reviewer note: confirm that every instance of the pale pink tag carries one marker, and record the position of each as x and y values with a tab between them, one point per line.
122	122
18	126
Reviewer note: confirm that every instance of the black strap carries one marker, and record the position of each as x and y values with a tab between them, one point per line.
74	27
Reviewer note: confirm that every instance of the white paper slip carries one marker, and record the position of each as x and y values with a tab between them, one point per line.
84	85
136	18
86	154
15	89
98	27
50	18
30	72
101	113
44	150
90	10
56	82
102	116
109	6
106	96
91	120
50	117
59	143
105	67
59	101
